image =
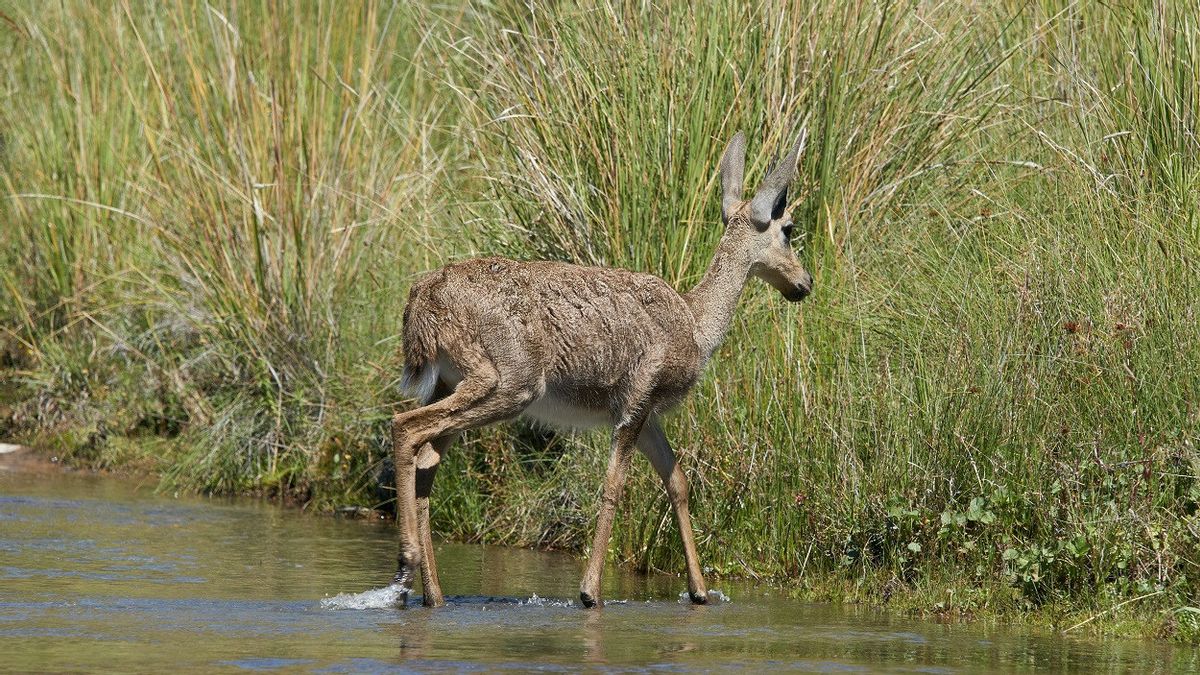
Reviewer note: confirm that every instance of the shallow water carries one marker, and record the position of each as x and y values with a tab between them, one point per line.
99	574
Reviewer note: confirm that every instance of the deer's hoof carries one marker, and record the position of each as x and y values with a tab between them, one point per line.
589	600
698	598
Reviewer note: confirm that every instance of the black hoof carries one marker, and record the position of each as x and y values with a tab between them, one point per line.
588	601
698	598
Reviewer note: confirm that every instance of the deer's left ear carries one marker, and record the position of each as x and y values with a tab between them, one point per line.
780	205
732	164
771	198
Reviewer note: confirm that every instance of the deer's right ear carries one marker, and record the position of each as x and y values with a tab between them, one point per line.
732	164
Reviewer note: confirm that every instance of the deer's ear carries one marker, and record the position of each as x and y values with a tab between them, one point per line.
732	164
771	197
780	205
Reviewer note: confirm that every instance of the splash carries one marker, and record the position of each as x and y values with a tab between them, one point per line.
714	596
379	598
535	601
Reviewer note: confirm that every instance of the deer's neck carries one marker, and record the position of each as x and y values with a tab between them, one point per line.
714	299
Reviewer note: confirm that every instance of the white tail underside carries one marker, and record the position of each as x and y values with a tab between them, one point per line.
420	382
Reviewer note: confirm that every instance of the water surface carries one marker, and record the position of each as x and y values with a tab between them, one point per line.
101	574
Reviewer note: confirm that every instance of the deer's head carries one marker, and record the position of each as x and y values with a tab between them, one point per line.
763	225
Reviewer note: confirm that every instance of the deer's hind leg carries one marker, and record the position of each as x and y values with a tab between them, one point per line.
477	401
428	460
427	465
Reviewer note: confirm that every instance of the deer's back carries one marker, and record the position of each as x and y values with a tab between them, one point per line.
582	331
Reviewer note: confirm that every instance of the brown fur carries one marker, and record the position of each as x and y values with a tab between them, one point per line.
578	331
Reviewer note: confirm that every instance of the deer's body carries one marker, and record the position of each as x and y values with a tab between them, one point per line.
571	340
489	339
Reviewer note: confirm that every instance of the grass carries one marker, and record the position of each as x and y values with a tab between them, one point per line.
989	406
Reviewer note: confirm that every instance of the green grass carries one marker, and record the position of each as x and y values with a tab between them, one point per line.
212	217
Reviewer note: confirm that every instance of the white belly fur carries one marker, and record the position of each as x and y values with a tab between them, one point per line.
557	413
549	409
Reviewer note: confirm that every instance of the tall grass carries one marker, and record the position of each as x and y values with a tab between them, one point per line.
212	215
994	282
236	184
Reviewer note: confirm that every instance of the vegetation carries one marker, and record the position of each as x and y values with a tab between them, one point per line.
990	404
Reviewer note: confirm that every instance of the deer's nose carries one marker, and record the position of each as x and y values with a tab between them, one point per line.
805	283
803	288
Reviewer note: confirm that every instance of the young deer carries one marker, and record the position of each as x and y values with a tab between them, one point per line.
489	339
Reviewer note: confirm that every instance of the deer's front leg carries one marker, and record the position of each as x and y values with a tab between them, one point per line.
624	438
653	443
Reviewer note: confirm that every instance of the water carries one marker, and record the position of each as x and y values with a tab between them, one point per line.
100	574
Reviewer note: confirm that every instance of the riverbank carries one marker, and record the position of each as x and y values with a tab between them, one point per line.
940	596
21	459
212	219
128	576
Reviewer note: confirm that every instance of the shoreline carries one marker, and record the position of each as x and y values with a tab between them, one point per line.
18	458
940	598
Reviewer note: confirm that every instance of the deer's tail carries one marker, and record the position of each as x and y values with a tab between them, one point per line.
420	373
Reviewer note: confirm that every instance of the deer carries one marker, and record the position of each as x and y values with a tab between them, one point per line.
572	346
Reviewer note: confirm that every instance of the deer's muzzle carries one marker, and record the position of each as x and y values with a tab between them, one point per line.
801	290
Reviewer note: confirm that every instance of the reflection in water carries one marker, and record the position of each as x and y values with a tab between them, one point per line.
98	575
